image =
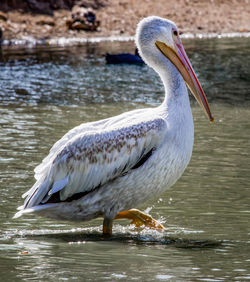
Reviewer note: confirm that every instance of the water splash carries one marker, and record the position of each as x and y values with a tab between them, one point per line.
121	234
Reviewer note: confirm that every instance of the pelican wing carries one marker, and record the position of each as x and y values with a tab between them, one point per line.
90	126
78	130
93	158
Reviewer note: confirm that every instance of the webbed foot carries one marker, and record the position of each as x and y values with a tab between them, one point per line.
140	219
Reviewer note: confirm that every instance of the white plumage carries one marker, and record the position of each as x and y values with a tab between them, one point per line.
105	167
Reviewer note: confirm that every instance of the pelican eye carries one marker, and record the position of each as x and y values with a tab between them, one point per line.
175	32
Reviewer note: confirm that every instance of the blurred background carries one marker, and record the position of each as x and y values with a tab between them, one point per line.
43	19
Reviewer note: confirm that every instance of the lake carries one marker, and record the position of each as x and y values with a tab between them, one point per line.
45	91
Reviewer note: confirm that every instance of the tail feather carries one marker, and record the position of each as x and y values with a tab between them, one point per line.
43	189
31	190
38	192
33	209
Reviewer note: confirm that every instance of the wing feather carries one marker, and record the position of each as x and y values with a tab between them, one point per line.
85	127
93	158
90	126
58	185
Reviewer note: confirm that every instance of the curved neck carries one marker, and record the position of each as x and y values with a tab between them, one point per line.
176	94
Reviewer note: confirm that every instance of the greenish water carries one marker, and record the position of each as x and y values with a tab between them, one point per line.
44	92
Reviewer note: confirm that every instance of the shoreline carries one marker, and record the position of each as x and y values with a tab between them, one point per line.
73	41
117	20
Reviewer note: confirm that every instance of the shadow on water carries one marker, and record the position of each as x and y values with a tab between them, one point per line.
88	235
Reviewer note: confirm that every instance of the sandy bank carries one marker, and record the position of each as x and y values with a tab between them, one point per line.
119	18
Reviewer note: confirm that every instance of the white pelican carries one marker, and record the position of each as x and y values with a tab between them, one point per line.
106	168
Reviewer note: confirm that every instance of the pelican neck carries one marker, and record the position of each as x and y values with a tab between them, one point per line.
174	86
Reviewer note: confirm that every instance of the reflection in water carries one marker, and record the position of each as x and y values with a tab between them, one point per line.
78	75
122	234
44	92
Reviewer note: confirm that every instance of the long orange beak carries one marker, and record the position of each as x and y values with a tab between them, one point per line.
180	59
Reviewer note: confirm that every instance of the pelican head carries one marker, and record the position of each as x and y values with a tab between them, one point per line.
160	46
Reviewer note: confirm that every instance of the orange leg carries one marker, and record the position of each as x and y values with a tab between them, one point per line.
107	226
140	219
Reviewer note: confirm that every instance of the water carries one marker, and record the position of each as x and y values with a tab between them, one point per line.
46	91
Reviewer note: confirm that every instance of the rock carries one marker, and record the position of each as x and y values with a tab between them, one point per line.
21	91
3	16
243	30
94	4
43	20
46	7
79	25
82	19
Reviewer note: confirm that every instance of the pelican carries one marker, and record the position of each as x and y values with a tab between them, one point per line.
108	167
